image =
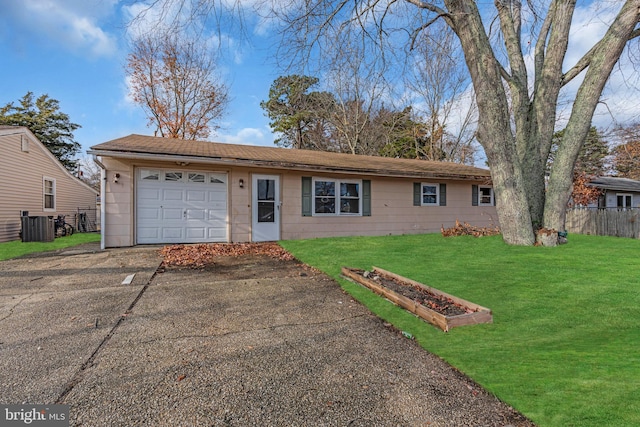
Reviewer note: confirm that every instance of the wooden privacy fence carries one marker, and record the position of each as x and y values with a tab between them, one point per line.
604	222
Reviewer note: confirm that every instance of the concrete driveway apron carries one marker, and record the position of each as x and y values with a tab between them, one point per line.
248	342
55	311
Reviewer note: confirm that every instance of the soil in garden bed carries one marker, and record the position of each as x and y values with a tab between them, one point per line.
440	304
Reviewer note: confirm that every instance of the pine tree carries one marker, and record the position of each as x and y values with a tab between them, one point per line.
51	126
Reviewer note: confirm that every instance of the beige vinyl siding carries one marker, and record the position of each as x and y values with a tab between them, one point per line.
118	204
22	183
240	205
392	210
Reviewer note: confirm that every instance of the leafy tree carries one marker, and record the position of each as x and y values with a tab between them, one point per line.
582	193
51	126
516	103
626	155
172	78
298	114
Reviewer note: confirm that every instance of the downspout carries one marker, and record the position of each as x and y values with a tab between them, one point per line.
103	181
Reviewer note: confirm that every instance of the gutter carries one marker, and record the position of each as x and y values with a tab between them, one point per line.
103	179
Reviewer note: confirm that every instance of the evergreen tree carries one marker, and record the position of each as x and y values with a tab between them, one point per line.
52	127
299	114
591	157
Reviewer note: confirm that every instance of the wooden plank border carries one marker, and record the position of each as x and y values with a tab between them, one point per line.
480	314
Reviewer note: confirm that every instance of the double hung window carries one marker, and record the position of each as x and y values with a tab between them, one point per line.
430	194
49	193
485	196
336	197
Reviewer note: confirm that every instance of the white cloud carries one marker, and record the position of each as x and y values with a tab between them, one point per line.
248	136
71	24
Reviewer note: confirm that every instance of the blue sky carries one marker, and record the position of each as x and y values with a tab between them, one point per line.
75	50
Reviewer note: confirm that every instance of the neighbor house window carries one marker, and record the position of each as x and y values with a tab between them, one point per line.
625	201
49	192
24	142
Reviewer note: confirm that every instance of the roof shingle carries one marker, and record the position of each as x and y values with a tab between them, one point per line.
283	158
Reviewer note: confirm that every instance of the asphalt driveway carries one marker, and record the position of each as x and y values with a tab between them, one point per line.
250	341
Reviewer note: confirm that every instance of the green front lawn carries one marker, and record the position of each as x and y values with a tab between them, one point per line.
18	248
564	345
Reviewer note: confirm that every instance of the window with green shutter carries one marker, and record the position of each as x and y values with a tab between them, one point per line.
331	197
429	194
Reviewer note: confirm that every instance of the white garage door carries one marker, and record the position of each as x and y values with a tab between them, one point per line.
179	206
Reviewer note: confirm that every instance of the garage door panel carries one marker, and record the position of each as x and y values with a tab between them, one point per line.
196	196
173	195
148	233
172	232
149	214
172	213
192	208
217	196
217	234
196	233
196	214
149	194
215	215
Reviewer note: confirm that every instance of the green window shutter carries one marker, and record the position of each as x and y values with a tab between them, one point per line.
474	195
306	196
366	197
443	194
417	188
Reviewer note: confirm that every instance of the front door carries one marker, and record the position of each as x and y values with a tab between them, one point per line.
265	208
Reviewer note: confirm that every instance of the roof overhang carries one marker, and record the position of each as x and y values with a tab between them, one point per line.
252	163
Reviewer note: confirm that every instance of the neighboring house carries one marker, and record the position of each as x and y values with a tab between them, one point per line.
159	190
618	193
34	181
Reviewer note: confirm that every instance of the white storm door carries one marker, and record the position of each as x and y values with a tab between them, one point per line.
265	201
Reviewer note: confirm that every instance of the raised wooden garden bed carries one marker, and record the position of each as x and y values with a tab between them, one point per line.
436	307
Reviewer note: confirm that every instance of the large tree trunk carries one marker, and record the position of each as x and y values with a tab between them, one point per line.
494	130
600	64
535	139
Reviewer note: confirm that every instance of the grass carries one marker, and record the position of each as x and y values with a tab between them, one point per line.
18	248
564	347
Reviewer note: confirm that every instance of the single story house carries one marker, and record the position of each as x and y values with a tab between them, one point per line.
160	191
34	182
618	193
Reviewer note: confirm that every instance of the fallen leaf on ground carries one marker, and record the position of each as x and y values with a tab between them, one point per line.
200	255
